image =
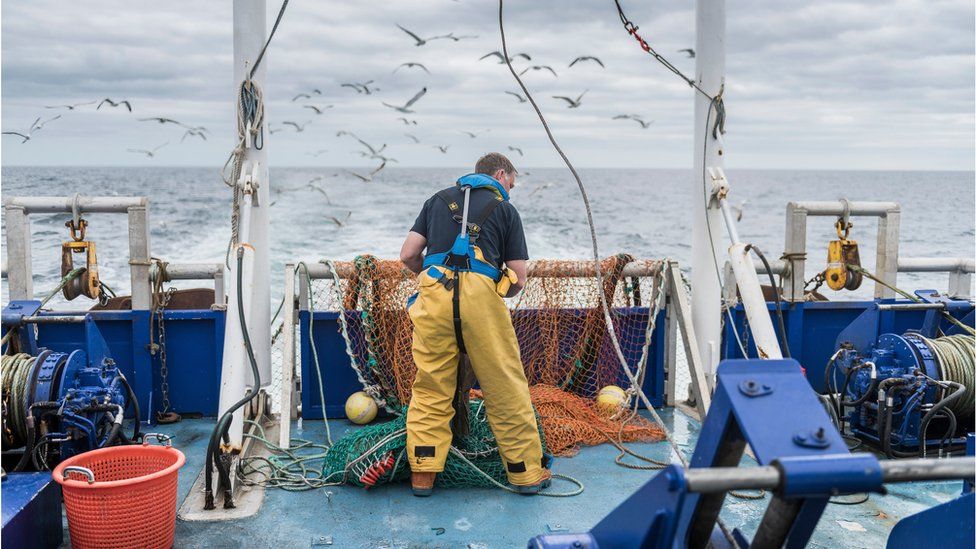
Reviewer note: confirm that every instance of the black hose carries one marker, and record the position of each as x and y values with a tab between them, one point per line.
135	408
779	310
864	397
885	433
223	425
924	424
113	434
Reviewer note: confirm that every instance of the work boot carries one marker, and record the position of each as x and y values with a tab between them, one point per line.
533	489
422	483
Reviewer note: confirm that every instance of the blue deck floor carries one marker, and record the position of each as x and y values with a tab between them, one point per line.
389	516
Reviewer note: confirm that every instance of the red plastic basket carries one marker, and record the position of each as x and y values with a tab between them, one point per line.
123	496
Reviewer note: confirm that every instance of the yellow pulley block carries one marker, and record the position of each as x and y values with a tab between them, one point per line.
86	283
842	254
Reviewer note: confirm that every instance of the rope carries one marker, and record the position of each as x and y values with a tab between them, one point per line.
906	295
16	369
957	358
315	353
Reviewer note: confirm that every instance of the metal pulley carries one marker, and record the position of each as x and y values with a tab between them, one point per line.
86	283
842	255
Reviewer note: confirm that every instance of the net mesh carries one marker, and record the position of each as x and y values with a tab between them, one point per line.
566	350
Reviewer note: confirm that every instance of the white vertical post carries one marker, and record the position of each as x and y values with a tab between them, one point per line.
19	279
706	308
288	358
139	257
250	33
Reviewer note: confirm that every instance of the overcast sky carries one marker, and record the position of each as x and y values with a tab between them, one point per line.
869	84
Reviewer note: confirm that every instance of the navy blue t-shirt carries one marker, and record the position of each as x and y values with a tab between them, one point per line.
501	237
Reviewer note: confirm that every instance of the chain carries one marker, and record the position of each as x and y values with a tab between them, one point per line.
818	279
161	300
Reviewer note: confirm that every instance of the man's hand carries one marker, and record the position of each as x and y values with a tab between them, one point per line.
520	268
412	251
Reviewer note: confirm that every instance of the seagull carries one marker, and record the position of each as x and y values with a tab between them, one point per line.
587	58
573	103
193	132
738	210
443	148
420	41
360	87
35	125
301	96
318	110
161	120
70	107
298	128
368	178
343	222
321	190
406	108
539	68
516	149
273	131
316	154
115	103
407	122
540	188
451	36
410	65
635	118
149	154
341	133
689	51
501	58
415	140
372	151
517	96
472	135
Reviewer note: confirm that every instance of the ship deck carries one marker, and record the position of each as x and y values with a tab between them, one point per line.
389	516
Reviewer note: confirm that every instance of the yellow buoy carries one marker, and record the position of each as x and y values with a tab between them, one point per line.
610	399
360	408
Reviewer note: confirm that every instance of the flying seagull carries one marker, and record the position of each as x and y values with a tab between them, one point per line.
419	41
451	36
368	178
115	103
318	110
321	190
587	58
540	188
539	68
70	107
410	65
635	118
343	222
501	57
301	96
194	132
35	125
516	96
414	137
360	87
443	148
161	120
689	51
372	150
407	122
472	135
298	128
516	149
316	155
149	154
406	108
573	103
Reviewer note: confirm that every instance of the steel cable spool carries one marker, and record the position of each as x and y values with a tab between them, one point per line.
956	355
15	380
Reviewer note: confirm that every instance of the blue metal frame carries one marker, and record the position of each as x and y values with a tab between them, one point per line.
339	378
31	511
195	340
815	328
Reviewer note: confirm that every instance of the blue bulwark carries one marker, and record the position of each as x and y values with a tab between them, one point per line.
31	510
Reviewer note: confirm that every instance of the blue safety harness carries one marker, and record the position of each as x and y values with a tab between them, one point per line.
462	257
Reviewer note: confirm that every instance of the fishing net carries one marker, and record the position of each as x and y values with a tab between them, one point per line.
566	350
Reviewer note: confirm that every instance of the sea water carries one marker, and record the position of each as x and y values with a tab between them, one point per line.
644	212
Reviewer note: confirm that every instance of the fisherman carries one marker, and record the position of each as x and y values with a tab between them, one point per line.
459	310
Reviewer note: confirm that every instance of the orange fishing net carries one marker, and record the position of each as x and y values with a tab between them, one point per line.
565	346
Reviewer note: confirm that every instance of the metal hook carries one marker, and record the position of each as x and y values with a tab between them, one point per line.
165	439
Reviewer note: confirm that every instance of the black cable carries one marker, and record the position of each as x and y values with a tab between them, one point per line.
281	12
855	502
135	408
223	425
779	310
923	426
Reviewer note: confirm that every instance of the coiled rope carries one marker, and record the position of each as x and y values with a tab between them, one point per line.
16	369
957	360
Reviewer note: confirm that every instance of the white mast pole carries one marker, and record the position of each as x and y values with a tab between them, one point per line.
236	377
706	308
